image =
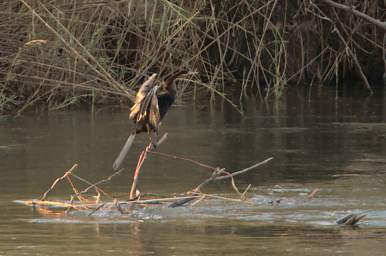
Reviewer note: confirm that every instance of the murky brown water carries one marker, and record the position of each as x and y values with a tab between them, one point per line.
337	146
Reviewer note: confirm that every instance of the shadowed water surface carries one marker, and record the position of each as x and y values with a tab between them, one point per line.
336	146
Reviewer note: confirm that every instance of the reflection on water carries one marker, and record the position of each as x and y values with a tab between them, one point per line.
337	146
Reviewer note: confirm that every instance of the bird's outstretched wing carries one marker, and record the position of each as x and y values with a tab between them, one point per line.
145	109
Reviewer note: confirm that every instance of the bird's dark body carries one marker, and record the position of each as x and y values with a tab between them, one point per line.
165	102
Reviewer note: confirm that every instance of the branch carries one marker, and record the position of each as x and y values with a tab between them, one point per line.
59	179
356	61
378	23
215	176
244	170
99	182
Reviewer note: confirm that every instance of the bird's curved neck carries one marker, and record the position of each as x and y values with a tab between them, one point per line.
169	81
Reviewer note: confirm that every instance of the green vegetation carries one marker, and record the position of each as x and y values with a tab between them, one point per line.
57	53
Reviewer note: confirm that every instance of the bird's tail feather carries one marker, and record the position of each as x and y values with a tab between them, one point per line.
123	153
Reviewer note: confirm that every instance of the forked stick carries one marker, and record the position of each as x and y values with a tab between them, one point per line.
59	179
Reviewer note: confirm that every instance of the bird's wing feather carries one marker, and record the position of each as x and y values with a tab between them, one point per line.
137	110
154	117
146	105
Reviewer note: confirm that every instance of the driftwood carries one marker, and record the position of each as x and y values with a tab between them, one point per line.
84	201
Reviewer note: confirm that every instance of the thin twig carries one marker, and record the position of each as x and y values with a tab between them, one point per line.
101	181
233	174
245	192
74	189
91	184
225	198
357	64
182	158
198	200
214	175
59	179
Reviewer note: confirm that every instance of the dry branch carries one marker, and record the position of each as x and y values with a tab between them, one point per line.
244	170
183	158
133	191
378	23
216	176
94	185
57	180
357	64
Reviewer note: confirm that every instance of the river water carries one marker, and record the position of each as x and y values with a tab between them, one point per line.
337	146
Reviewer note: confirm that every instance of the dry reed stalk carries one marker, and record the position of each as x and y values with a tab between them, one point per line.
67	53
100	71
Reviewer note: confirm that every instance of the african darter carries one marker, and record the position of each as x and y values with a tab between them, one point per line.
150	106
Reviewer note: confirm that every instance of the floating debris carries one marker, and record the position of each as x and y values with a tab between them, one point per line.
350	219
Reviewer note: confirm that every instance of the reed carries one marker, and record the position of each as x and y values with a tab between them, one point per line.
61	53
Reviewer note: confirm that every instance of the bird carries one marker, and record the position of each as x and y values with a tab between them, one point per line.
152	102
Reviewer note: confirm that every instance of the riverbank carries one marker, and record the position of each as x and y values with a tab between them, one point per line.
64	53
